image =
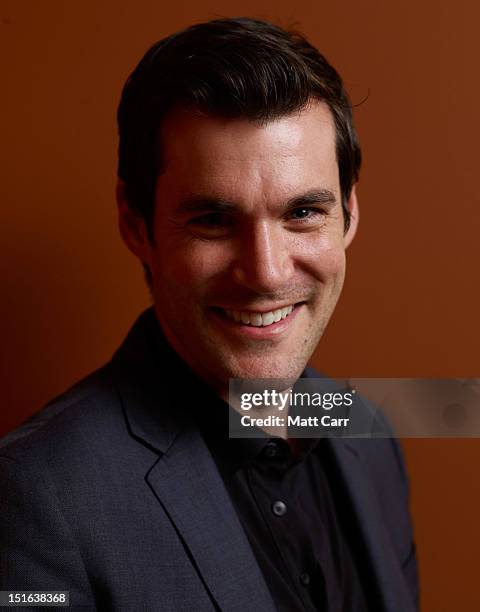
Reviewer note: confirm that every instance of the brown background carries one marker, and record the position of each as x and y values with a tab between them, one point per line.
70	290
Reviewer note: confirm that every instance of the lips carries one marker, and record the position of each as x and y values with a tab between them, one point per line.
259	319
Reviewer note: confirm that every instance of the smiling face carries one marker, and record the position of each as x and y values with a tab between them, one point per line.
249	254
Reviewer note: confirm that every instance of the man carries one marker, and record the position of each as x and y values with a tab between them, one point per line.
237	168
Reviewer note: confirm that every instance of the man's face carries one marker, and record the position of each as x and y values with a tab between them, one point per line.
248	225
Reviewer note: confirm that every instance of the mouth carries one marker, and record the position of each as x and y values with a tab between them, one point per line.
247	320
259	319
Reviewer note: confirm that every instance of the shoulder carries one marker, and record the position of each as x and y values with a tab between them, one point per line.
75	423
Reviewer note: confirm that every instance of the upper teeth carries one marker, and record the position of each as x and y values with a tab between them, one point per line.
258	319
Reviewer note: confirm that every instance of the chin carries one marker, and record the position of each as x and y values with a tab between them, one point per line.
266	370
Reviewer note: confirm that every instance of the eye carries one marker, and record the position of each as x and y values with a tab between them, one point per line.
211	220
305	214
213	225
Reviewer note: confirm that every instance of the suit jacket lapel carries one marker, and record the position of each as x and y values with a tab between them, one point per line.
387	573
185	479
188	485
384	563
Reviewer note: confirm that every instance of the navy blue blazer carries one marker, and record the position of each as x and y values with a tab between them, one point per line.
110	492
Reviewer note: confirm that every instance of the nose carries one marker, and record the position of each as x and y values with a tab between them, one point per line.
263	262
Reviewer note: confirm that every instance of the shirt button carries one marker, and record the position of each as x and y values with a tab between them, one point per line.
279	508
305	578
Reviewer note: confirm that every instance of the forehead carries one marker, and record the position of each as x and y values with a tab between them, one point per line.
201	152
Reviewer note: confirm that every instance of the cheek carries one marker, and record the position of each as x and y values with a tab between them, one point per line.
326	260
189	268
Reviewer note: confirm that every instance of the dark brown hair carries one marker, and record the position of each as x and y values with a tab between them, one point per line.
233	68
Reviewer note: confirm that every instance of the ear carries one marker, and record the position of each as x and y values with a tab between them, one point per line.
132	227
354	218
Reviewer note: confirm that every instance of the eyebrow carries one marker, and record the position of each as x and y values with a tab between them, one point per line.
200	203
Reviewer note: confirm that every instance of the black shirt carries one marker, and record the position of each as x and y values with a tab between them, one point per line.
283	495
